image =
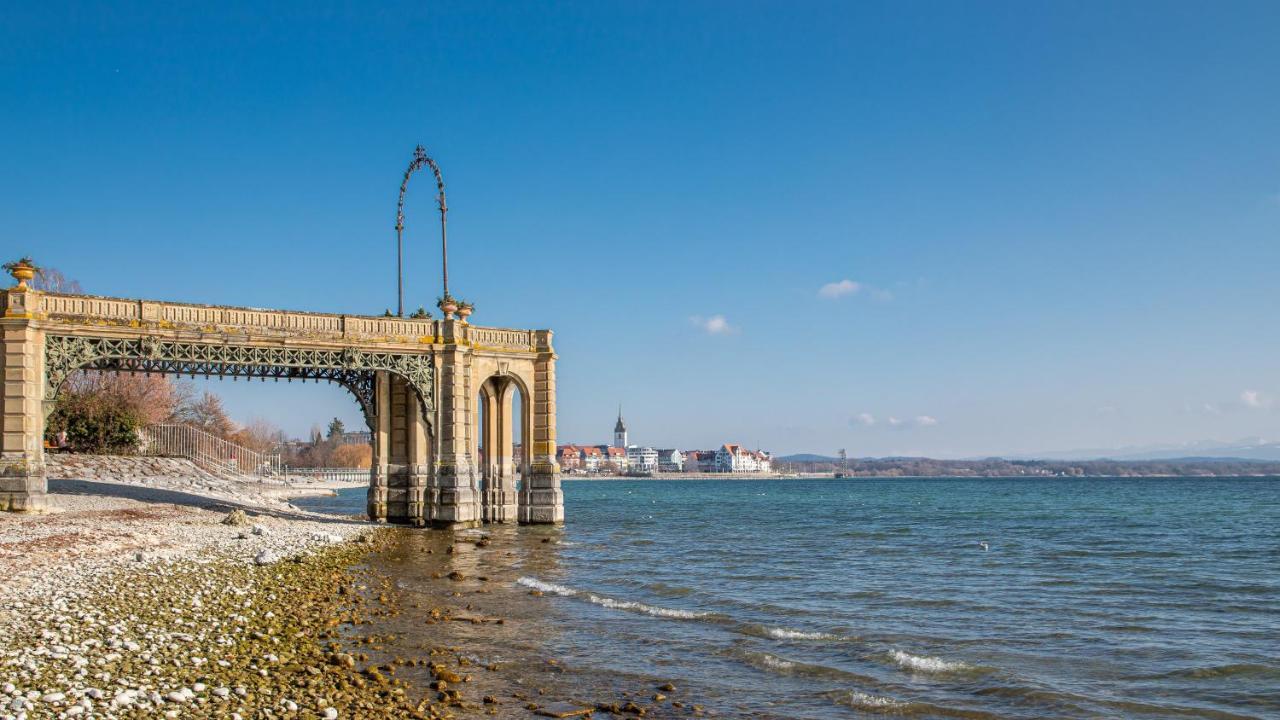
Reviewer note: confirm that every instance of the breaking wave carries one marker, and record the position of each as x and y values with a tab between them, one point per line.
922	663
864	701
611	603
785	634
546	586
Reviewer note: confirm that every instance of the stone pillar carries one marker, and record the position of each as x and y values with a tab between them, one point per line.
541	499
487	426
458	503
419	459
22	478
379	470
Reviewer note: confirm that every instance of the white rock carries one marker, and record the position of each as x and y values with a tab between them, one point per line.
176	696
221	691
330	713
266	557
290	705
53	697
260	530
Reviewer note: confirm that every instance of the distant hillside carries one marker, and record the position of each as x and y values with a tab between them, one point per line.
805	458
1246	449
1000	467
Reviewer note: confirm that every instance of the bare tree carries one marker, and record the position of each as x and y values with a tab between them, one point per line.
52	280
259	435
208	414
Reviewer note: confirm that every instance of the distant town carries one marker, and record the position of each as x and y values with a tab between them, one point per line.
624	458
338	448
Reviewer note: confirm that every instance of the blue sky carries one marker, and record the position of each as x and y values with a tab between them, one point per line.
1041	225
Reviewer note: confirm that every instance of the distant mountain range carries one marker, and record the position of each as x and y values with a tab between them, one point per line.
1204	450
1246	449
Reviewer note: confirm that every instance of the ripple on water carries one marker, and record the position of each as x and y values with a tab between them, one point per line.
884	705
927	664
614	603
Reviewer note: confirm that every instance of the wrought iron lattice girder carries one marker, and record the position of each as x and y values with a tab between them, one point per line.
351	367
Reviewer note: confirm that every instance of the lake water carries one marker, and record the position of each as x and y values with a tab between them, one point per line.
968	598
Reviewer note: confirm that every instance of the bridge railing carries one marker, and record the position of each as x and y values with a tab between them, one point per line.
209	452
312	475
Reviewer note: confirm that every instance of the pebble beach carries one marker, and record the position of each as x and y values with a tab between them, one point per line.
177	596
120	604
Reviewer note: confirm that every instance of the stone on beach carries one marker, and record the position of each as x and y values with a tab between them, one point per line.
562	710
237	518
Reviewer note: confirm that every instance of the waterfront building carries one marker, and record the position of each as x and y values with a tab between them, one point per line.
592	458
569	457
735	458
642	460
614	458
356	437
700	461
670	461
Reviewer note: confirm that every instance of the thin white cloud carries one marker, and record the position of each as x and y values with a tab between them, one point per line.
1255	399
839	289
866	419
714	325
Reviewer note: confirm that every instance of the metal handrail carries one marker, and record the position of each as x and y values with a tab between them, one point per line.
327	474
209	452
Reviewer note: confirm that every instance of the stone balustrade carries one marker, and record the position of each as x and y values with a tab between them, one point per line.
105	310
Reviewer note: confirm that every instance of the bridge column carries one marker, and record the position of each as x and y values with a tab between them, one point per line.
541	499
486	428
381	441
457	499
22	478
418	460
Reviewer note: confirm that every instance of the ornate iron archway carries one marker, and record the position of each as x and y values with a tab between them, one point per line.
350	367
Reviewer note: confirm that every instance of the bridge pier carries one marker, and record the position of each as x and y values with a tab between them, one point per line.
22	474
456	492
541	499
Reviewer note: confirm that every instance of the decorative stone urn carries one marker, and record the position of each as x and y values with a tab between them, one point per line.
448	306
465	309
22	271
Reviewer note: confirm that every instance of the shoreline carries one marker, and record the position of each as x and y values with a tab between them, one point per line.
135	600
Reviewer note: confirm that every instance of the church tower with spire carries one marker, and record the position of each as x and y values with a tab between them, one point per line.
620	431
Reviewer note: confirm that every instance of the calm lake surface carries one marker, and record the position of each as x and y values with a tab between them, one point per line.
871	597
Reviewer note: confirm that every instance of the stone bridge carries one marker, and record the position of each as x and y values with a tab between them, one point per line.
433	392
